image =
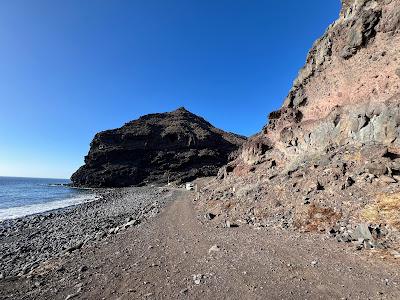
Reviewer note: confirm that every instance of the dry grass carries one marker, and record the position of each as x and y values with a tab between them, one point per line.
228	205
386	210
317	218
355	156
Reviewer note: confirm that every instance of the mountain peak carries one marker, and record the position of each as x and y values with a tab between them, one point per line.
181	109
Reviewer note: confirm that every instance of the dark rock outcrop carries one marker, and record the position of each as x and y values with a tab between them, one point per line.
176	146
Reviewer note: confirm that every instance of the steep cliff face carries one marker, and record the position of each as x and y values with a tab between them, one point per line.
349	89
330	157
176	146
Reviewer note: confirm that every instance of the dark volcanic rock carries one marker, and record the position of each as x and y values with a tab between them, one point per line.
178	146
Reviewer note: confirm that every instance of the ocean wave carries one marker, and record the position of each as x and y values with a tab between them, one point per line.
21	211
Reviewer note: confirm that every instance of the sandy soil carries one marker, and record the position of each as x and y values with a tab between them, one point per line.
178	255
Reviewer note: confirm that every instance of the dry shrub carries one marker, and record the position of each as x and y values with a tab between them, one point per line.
213	204
386	209
261	212
355	156
317	218
228	205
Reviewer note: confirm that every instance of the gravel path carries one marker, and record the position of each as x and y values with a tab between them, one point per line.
176	255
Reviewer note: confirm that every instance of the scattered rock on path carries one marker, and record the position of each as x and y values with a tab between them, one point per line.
197	278
306	201
228	224
209	216
70	296
131	223
75	247
113	230
314	263
214	248
348	183
83	269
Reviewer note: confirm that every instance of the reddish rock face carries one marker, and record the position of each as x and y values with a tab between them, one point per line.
355	61
176	146
347	92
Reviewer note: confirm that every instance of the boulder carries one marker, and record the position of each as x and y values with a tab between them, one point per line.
376	169
387	179
362	232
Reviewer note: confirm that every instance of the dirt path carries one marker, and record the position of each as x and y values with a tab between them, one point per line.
158	261
251	264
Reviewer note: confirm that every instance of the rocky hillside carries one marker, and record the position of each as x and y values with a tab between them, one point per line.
349	89
177	146
329	159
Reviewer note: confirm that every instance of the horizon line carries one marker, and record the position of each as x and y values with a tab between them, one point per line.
29	177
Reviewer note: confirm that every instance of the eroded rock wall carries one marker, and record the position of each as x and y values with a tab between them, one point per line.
158	148
347	92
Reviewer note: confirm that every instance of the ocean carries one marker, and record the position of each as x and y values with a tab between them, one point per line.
25	196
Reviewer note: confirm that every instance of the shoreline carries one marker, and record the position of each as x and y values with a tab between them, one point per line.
97	193
94	197
27	241
28	209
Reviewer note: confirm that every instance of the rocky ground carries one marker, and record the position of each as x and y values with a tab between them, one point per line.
181	255
351	193
27	242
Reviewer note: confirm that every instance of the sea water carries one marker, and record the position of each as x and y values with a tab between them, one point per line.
25	196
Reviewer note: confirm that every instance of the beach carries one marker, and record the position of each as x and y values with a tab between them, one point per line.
28	241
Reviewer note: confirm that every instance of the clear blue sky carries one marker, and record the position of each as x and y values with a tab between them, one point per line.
74	67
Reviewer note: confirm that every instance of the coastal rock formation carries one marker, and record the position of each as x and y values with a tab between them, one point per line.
348	92
329	158
349	89
177	146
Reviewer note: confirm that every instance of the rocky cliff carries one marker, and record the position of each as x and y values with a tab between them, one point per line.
177	146
329	158
349	89
347	92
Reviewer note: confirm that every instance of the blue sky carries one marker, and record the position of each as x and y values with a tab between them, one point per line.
72	68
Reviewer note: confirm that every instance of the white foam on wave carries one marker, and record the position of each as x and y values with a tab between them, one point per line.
21	211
